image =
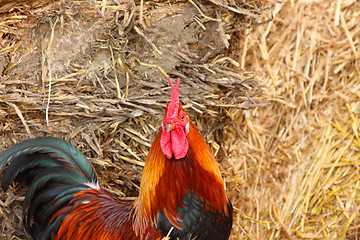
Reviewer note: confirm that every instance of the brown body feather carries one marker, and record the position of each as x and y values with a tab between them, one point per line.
98	214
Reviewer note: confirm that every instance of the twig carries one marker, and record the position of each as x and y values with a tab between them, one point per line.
127	85
337	13
349	37
245	48
147	39
202	14
153	66
141	13
221	29
237	10
116	78
92	3
284	228
18	112
127	17
198	21
49	93
49	69
131	13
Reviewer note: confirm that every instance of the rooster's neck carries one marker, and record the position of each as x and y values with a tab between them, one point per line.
165	182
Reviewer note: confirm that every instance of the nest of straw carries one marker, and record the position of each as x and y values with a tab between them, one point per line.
95	73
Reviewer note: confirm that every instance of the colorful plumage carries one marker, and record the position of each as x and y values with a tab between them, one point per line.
181	192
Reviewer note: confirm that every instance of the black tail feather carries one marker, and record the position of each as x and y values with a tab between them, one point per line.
55	171
55	147
25	163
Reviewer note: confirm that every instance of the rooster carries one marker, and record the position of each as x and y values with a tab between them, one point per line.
182	194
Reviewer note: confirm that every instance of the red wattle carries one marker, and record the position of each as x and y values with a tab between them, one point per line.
165	144
174	142
179	143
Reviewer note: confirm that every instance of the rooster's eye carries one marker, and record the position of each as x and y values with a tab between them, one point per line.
182	117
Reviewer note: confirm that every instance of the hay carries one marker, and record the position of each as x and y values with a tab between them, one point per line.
94	73
296	173
291	166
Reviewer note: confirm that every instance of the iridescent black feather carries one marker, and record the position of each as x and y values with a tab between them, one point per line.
200	222
55	171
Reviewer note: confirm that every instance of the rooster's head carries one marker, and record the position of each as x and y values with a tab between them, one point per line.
175	126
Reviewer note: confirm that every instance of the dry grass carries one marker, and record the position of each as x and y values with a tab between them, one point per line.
94	73
291	166
296	172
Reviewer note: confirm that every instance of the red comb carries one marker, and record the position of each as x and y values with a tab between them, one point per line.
173	139
173	107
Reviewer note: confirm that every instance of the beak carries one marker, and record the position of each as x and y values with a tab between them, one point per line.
169	127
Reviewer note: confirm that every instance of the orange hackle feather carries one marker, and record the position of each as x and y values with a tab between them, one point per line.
165	182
